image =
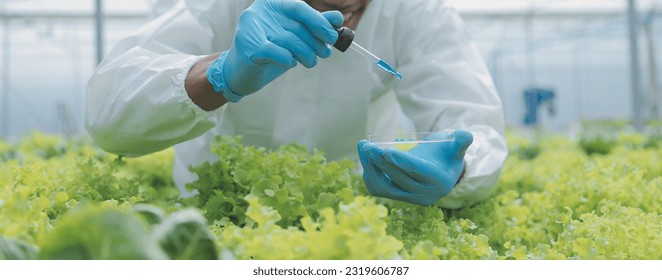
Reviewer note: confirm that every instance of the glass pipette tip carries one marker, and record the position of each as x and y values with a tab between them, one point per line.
375	59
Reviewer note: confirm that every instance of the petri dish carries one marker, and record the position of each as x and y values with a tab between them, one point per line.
407	141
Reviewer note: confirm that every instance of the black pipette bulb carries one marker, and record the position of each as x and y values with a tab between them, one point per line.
345	38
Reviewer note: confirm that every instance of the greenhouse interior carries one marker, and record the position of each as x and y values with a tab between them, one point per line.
580	90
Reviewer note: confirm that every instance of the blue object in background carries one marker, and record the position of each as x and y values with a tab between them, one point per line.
534	97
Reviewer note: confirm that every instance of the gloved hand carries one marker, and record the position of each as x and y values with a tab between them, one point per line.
271	36
421	175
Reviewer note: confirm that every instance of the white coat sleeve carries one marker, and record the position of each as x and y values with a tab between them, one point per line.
447	86
136	101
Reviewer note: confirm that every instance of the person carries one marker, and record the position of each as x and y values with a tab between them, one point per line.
229	67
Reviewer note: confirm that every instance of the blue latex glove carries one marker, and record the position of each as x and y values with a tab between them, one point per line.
421	175
271	36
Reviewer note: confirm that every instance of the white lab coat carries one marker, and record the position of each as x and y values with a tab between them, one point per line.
137	104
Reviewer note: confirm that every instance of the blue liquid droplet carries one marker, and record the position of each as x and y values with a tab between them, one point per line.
389	69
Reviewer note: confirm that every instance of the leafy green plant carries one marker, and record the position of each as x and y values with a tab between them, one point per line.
12	249
100	233
68	200
292	180
598	145
185	235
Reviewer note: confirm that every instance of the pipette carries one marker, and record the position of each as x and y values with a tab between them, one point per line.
346	41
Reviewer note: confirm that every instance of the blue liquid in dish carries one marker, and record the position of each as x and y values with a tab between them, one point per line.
389	69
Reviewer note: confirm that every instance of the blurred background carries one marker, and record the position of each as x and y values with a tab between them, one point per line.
556	63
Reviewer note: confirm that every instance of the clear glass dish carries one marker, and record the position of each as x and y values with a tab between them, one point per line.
407	141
